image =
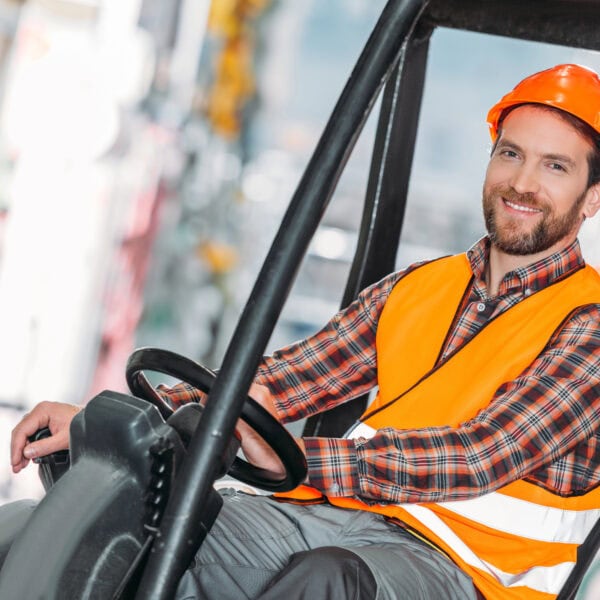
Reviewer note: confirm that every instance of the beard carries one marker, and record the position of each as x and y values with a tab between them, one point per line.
510	237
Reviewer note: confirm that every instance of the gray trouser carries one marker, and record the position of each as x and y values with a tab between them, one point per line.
257	547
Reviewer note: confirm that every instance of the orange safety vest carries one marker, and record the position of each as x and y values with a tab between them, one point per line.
519	542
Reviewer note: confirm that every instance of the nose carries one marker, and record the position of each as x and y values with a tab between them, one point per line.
524	179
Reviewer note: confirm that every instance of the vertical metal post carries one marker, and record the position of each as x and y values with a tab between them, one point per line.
385	202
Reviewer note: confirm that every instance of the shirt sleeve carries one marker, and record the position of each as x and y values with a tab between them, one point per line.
529	430
180	394
334	365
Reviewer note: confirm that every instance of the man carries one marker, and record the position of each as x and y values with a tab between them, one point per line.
474	472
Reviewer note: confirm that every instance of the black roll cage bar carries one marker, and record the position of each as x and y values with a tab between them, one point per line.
395	55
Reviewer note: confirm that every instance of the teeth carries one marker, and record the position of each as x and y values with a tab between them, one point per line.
521	208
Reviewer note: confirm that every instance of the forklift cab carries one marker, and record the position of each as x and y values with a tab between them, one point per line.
128	516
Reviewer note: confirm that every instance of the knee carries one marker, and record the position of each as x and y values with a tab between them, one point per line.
328	572
329	558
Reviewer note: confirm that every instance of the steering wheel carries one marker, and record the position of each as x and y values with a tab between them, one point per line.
269	428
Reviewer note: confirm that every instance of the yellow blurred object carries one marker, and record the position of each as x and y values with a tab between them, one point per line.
227	16
219	256
233	84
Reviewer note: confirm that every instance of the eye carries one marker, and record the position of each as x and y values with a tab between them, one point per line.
554	166
508	153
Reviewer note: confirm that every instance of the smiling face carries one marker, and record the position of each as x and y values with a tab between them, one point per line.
535	194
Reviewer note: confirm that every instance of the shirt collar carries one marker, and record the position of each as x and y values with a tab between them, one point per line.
533	277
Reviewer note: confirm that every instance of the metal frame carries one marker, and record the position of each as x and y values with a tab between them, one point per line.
396	52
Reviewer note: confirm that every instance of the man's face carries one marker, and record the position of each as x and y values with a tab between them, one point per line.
534	195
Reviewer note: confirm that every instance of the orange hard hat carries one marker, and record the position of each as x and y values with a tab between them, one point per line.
572	88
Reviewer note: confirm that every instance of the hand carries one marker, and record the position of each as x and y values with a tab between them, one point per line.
256	450
57	416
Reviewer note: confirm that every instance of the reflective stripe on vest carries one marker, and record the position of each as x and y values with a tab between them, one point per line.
543	579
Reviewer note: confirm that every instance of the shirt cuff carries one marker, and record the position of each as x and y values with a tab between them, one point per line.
332	466
180	394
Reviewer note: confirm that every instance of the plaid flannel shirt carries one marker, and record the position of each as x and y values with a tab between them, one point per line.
543	426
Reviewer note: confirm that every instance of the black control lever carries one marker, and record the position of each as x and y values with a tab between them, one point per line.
53	466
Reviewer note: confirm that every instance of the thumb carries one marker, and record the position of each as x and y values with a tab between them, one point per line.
46	446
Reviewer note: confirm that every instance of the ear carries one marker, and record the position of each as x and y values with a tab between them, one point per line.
591	204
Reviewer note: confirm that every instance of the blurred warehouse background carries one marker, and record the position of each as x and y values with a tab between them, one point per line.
148	150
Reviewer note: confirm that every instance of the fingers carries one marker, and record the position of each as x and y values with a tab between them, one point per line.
28	425
54	415
59	441
256	450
